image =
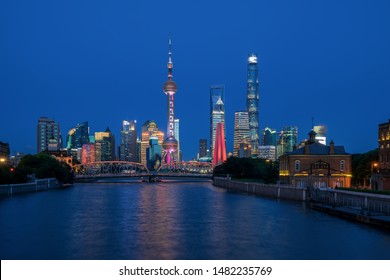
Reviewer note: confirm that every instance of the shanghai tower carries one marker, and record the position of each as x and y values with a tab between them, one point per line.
252	103
170	143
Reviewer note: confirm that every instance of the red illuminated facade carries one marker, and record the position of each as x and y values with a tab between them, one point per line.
220	145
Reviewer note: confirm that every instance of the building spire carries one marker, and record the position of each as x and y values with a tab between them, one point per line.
170	63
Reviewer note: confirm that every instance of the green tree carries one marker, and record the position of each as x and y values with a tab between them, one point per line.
44	166
361	167
248	168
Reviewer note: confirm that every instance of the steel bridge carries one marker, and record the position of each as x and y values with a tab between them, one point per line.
113	169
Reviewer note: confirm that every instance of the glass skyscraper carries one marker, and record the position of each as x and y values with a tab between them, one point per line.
78	136
128	142
288	140
268	137
202	148
217	112
252	102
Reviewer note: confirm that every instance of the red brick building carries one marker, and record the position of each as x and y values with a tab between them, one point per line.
384	156
316	165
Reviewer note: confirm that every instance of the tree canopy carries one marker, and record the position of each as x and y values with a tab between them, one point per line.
361	167
248	168
41	165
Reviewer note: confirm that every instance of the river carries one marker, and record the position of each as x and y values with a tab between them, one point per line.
176	220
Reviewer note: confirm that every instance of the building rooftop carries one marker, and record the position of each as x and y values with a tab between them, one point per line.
319	149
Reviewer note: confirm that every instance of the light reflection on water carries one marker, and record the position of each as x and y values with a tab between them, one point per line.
192	220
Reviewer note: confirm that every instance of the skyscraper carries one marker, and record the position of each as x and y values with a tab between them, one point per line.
149	129
288	140
128	142
320	131
48	131
105	145
153	154
268	137
170	144
202	148
78	136
241	131
177	137
252	102
217	112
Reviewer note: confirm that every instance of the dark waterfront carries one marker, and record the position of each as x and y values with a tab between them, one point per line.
180	220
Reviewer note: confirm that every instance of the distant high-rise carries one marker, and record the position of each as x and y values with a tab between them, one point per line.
170	144
219	155
153	154
202	148
78	136
288	140
88	153
320	131
149	129
128	142
241	131
252	102
48	132
176	133
267	152
105	145
4	153
268	137
217	113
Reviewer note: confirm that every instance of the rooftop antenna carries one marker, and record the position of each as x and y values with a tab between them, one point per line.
312	122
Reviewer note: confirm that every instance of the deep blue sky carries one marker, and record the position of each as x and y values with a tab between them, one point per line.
105	61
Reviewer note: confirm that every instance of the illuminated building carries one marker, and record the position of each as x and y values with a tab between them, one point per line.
288	140
177	137
88	153
241	133
268	137
267	152
219	145
153	154
217	112
48	130
170	145
78	136
244	150
202	148
320	131
149	129
252	102
105	145
4	153
316	165
383	157
128	142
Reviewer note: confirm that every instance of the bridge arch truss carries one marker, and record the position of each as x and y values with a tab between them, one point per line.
110	168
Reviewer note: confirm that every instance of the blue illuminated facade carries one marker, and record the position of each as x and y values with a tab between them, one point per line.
252	103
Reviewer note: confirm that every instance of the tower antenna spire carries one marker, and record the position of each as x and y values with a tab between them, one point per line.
170	48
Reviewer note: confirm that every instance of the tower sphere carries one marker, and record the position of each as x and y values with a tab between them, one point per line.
170	143
170	87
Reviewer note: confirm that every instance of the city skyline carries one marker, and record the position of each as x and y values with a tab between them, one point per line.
327	61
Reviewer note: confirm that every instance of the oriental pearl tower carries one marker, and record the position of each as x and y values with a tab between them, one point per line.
170	144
